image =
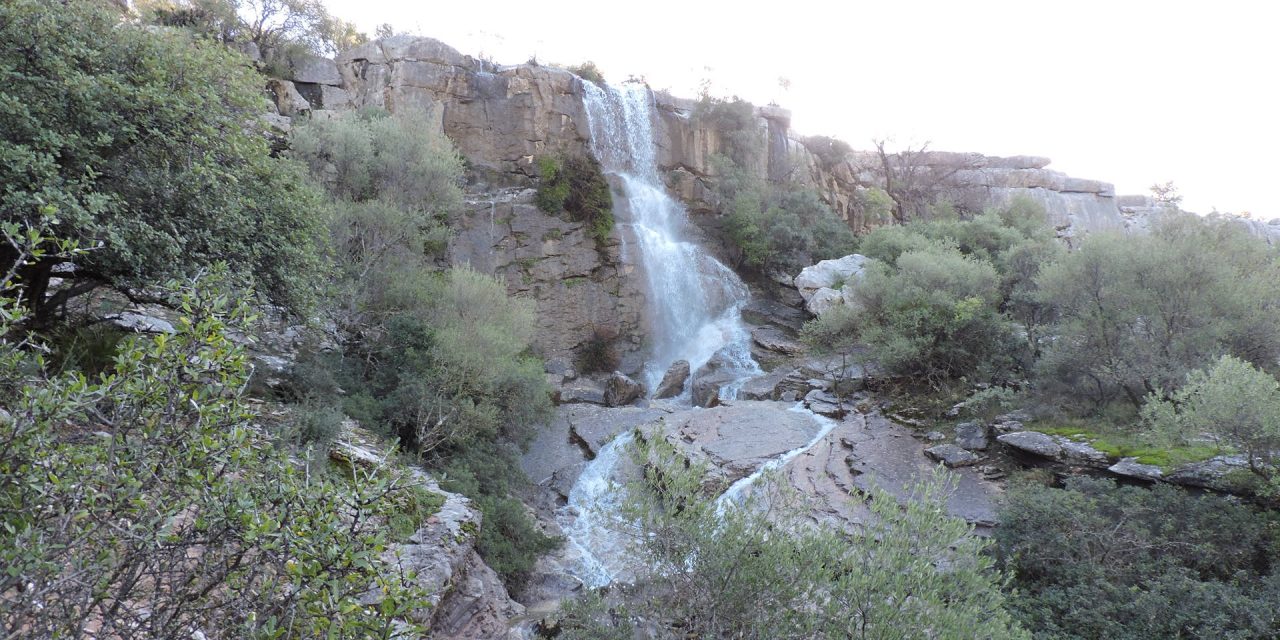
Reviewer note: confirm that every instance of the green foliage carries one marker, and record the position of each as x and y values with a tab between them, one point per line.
1136	314
574	185
588	71
734	122
829	151
1100	561
589	617
778	227
759	570
145	143
1232	402
146	504
934	316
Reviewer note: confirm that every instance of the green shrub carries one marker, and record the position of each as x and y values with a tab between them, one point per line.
599	354
1100	561
760	569
1135	314
1232	402
734	121
127	478
146	143
590	72
934	316
574	185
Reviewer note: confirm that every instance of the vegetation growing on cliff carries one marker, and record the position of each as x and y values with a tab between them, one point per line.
574	185
147	503
436	358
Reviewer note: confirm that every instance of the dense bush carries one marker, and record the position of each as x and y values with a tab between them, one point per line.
146	503
759	569
145	143
574	185
1231	402
1136	314
778	227
588	71
1095	560
934	315
734	122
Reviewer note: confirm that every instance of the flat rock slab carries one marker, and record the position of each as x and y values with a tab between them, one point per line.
951	455
575	433
738	438
887	455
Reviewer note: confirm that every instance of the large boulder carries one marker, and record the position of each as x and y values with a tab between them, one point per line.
829	274
710	378
972	436
673	380
1034	442
620	390
951	455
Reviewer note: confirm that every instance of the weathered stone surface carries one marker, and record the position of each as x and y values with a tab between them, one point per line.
287	99
828	274
1214	473
765	387
140	322
578	287
825	403
776	340
824	300
709	379
1131	468
314	70
736	439
621	390
951	455
972	436
581	390
1032	442
1073	451
673	380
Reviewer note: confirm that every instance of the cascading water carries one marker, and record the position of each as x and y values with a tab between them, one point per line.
695	307
694	300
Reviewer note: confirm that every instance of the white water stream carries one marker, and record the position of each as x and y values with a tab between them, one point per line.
694	303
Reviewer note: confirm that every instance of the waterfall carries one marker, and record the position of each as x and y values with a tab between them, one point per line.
694	302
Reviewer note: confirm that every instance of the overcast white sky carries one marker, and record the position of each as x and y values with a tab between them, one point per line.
1130	92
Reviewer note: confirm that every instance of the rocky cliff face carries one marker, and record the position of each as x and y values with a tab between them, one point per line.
502	117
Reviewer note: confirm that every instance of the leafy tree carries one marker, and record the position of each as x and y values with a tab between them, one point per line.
1135	314
1094	560
147	504
145	143
1232	401
760	570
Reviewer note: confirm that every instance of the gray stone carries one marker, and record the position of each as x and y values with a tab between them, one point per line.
673	380
736	440
1213	473
287	99
709	379
581	390
1032	442
972	436
621	390
1131	468
314	70
140	323
823	300
825	403
765	387
934	436
1081	452
951	455
828	274
776	340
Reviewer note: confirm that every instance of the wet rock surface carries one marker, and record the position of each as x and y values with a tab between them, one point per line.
673	380
620	390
